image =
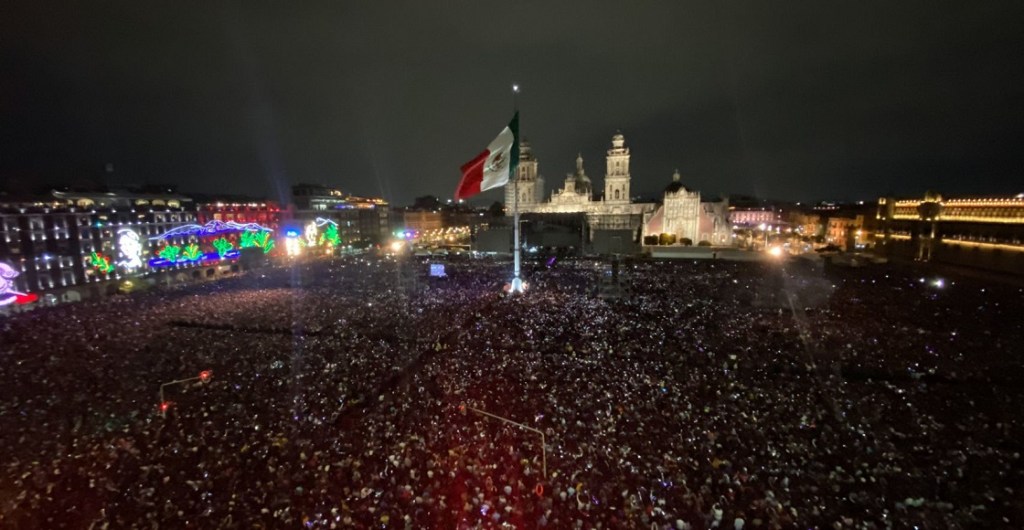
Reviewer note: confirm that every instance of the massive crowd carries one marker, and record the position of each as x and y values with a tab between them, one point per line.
351	394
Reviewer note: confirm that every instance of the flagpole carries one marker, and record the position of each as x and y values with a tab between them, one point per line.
517	282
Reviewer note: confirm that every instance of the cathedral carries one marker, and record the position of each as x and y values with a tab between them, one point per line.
613	211
681	215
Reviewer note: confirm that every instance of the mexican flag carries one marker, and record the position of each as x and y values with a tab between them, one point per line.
493	167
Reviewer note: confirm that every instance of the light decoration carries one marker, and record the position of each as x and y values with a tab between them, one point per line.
292	245
982	244
7	293
170	253
212	228
191	252
256	239
223	246
311	234
100	262
130	249
330	236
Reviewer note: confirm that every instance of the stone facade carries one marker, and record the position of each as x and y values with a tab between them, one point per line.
529	184
614	211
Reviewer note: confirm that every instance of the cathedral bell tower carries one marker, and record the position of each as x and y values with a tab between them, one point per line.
530	183
616	178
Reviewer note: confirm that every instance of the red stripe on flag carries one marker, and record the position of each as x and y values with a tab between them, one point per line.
472	176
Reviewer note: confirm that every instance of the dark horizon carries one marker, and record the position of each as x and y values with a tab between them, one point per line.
803	102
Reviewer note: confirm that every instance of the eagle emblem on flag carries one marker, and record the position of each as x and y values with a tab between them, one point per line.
498	161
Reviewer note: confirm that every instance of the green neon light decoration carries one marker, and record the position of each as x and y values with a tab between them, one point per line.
101	262
330	236
256	239
223	246
170	253
191	252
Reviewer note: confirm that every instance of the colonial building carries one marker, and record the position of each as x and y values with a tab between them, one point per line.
529	184
847	233
984	232
612	212
358	221
684	219
714	223
68	245
677	220
747	217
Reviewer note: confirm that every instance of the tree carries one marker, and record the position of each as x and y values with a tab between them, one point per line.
497	209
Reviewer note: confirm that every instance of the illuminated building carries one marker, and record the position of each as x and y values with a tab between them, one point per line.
359	221
984	232
528	182
847	233
805	224
677	220
714	225
684	219
752	216
612	222
422	221
265	213
72	245
614	212
67	245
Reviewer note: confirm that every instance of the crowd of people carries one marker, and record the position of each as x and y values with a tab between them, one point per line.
360	393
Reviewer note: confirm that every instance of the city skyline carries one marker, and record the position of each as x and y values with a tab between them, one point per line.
803	102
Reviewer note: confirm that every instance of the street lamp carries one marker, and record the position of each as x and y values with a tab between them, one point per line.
543	448
203	376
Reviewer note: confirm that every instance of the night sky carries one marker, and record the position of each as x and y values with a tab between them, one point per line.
788	100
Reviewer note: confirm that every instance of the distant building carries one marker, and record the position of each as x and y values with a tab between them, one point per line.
422	221
847	233
528	183
982	232
749	217
613	211
805	224
72	245
714	225
264	213
613	222
359	221
677	220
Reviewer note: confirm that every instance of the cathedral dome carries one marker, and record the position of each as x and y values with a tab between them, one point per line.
583	184
675	185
